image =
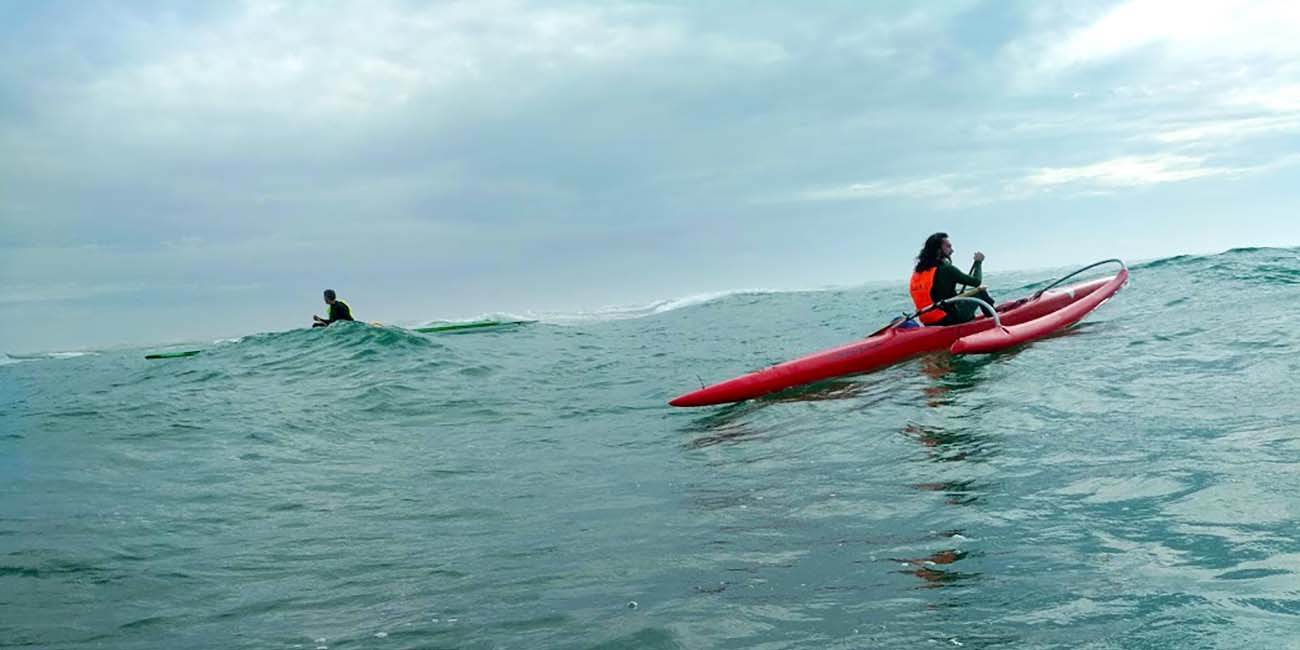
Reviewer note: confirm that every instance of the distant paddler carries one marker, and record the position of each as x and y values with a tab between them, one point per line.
935	278
338	310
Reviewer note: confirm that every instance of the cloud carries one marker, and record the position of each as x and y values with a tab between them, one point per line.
1194	31
1157	92
365	61
1274	98
1231	129
70	292
62	292
1128	171
949	190
275	117
955	190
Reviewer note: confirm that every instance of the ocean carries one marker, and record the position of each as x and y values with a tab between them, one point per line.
1133	482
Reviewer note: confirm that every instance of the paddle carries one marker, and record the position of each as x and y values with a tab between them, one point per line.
970	272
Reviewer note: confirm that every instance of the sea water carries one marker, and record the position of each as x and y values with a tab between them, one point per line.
1131	483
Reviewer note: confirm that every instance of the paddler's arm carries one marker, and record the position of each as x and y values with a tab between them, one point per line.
955	274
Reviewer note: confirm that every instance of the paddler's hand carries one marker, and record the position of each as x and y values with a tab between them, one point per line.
979	257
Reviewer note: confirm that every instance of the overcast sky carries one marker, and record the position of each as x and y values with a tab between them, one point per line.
179	170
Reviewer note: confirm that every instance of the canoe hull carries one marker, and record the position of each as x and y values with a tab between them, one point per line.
894	345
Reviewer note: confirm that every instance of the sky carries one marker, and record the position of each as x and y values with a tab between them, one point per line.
174	170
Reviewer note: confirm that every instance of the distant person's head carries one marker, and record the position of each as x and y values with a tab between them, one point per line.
934	252
329	296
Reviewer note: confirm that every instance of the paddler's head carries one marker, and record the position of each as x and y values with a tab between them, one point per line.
935	251
329	296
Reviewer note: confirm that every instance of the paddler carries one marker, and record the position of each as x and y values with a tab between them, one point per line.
935	278
338	311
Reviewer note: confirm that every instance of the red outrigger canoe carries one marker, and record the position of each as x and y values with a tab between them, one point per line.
1048	310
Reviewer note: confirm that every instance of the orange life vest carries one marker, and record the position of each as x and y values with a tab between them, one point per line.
919	287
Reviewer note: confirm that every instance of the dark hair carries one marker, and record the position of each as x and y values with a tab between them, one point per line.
329	294
931	254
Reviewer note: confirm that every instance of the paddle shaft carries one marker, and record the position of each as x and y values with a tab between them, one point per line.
970	272
969	293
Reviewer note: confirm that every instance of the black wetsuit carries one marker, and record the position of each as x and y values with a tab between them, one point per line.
946	279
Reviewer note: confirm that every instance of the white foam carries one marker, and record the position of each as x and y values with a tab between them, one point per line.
69	355
628	312
496	316
38	356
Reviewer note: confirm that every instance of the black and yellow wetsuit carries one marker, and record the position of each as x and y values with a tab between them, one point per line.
339	310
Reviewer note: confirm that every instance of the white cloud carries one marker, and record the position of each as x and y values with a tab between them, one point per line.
1128	171
914	188
71	292
1273	98
1239	129
943	191
1214	80
965	190
1209	30
63	292
958	190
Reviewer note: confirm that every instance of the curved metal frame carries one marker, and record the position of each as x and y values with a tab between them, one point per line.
988	309
1063	279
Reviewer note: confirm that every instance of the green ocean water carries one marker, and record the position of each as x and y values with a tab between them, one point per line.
1131	483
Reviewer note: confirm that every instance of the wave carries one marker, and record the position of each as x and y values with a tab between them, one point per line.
1177	260
1261	263
343	351
1256	265
341	335
1232	254
1259	249
490	316
11	357
627	312
1262	268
